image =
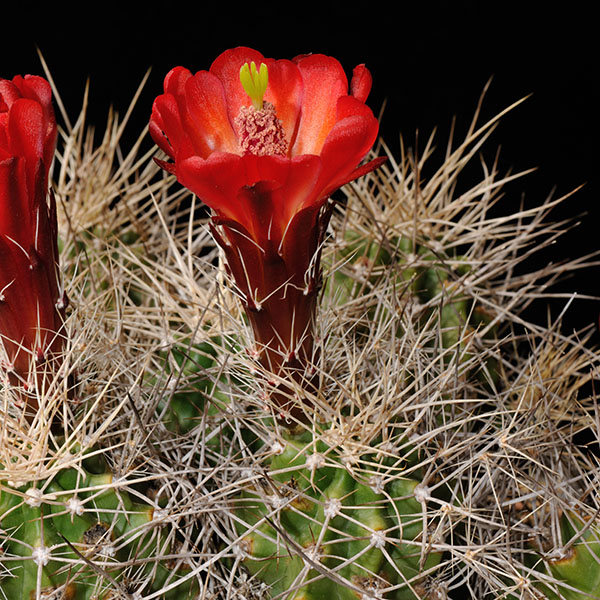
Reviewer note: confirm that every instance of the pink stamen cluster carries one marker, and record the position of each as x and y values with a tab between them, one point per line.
260	131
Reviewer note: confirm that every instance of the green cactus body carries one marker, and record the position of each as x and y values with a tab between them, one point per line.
431	277
195	398
99	254
54	532
577	569
311	514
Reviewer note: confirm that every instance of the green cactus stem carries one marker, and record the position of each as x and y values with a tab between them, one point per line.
432	278
190	396
576	566
78	536
310	514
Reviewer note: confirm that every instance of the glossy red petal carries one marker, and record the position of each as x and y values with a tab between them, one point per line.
37	90
349	106
206	117
299	187
355	174
226	68
324	82
175	81
292	184
360	85
347	144
165	124
167	166
9	92
216	181
285	93
26	129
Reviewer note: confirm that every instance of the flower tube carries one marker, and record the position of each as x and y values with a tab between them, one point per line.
264	143
31	304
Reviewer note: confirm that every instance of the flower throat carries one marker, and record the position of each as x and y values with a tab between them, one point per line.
260	131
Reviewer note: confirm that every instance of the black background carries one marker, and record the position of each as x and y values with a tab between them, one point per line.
429	61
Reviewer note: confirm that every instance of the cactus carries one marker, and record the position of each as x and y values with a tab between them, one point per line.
79	535
189	388
308	513
417	338
572	565
423	443
430	276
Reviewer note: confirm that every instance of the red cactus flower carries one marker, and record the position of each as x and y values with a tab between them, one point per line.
264	147
31	305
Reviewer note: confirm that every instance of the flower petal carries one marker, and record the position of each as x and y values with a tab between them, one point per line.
206	117
165	124
293	185
324	82
360	86
26	129
226	68
215	180
347	144
33	91
285	93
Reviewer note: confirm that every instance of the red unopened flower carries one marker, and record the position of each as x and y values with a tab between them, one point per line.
264	143
31	304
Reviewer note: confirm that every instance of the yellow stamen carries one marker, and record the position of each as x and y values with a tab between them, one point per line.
255	81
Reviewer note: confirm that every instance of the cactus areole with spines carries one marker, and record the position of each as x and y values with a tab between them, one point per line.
264	143
328	519
81	512
575	563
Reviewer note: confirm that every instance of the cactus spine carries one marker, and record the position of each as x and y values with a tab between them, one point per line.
438	456
79	536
